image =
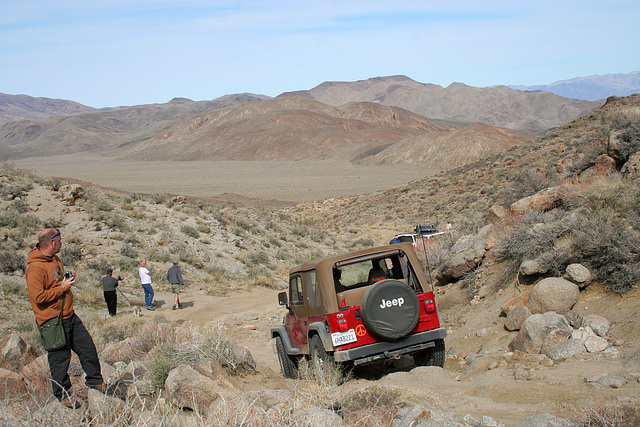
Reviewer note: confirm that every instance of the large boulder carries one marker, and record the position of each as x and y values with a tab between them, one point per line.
598	324
613	144
108	410
516	318
12	346
71	193
189	388
631	169
516	301
567	349
318	417
546	420
536	329
604	166
12	385
553	294
578	274
500	216
256	407
468	253
543	200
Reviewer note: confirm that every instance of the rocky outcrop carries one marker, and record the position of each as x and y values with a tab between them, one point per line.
631	169
72	192
543	200
516	318
12	385
469	251
552	294
196	389
12	346
535	330
604	166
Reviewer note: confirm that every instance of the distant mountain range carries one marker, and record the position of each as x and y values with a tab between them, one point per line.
530	112
591	88
383	120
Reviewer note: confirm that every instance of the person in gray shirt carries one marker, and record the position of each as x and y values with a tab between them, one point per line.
109	285
174	276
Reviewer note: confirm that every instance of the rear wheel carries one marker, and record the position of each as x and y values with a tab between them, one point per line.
433	356
324	365
288	364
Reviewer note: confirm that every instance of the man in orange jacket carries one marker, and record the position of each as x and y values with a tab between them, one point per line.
46	284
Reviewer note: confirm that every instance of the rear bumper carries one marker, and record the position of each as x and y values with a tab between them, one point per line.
383	350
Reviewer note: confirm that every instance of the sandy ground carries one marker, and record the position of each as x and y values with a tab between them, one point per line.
291	182
464	386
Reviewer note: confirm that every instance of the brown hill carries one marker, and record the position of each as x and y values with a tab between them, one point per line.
26	107
101	131
448	149
496	106
286	128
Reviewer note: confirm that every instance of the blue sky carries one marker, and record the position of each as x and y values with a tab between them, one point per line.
106	53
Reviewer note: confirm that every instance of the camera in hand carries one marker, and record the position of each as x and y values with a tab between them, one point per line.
68	275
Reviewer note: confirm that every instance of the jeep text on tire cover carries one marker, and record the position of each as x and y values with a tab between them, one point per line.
358	308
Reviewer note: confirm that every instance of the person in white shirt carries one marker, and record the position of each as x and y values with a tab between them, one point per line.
145	279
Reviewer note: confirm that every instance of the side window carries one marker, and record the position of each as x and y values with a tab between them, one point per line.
313	290
295	285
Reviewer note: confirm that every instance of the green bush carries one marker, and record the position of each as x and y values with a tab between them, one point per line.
534	237
11	260
190	231
525	184
611	249
70	254
129	251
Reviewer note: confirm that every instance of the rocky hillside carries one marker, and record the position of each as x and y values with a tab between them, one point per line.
286	128
537	285
14	107
498	106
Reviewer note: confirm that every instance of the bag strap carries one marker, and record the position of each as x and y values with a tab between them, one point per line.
64	294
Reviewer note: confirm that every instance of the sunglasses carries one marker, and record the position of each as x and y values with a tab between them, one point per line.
55	235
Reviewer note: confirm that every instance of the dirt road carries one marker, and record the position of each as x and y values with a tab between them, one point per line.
478	384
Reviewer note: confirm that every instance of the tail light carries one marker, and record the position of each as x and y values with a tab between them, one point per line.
429	306
342	325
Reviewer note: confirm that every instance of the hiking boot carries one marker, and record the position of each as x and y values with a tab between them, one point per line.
179	305
174	306
150	308
102	388
70	403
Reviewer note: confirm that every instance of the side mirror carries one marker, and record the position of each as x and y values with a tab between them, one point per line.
282	298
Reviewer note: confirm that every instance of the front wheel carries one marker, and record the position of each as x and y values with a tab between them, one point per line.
433	356
288	364
324	365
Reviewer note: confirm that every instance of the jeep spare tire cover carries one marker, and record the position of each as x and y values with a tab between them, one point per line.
390	310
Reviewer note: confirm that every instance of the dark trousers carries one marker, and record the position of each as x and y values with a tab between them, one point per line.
112	300
78	340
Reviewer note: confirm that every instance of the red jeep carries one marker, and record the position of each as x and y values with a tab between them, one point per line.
358	308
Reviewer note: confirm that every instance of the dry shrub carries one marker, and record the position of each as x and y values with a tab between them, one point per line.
610	248
525	184
615	415
534	236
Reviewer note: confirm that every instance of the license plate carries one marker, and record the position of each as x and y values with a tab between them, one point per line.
342	338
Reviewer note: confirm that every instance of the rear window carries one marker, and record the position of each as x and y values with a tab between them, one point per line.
405	239
368	270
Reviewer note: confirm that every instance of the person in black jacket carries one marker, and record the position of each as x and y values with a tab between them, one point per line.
174	276
109	285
